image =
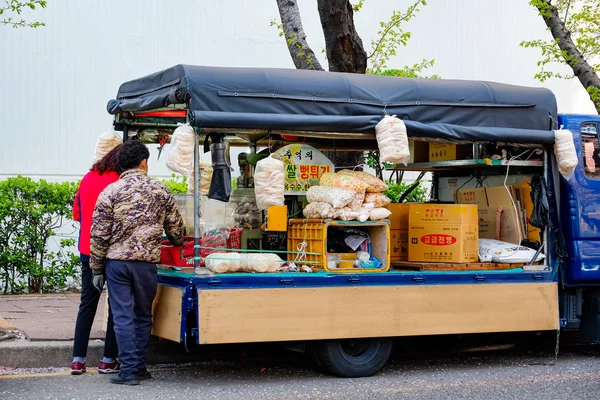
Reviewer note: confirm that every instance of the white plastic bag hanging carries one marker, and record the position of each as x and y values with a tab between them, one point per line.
106	142
392	140
566	155
181	154
269	183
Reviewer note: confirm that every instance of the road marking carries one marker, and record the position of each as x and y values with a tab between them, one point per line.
4	324
66	372
43	374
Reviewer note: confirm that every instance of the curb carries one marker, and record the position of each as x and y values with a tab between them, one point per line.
45	354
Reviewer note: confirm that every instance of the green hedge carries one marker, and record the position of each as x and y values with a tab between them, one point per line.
30	213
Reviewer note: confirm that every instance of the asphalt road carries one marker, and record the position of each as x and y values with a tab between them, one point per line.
424	370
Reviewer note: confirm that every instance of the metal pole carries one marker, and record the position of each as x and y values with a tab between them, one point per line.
196	204
125	133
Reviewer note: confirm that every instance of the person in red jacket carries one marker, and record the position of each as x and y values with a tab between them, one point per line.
103	173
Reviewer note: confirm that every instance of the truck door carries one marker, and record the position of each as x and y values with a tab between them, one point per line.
580	203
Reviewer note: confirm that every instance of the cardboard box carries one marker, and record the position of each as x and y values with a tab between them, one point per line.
443	233
498	218
449	152
399	244
533	233
471	196
419	151
487	222
399	231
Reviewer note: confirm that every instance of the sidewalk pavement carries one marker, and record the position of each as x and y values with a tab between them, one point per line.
47	317
44	326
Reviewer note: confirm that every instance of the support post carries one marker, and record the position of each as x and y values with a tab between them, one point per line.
196	204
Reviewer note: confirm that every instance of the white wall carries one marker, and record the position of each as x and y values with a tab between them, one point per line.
57	80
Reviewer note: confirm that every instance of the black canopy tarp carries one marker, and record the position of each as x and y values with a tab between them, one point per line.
289	99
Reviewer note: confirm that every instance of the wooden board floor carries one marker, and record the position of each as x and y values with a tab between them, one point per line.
420	266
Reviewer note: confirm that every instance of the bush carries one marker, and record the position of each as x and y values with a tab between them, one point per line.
30	212
177	184
419	194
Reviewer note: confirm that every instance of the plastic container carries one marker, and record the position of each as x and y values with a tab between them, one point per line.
183	256
314	232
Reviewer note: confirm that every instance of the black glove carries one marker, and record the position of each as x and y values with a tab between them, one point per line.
98	282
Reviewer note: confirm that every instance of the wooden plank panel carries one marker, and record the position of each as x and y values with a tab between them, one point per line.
264	315
424	266
166	313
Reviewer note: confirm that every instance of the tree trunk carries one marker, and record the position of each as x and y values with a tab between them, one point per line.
581	68
301	53
345	52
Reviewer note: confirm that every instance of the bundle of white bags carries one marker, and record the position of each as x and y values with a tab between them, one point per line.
106	142
348	196
564	149
392	140
221	263
181	154
269	183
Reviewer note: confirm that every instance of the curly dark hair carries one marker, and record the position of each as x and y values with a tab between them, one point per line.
108	163
132	154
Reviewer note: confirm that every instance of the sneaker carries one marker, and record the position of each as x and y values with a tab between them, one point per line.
125	379
77	368
144	374
109	368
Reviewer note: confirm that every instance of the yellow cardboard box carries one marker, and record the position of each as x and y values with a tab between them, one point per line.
443	233
419	151
533	233
448	152
487	222
399	231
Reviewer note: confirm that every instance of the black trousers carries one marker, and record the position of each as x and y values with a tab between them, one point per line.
87	311
131	291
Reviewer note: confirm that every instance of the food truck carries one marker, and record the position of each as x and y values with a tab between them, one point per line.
506	242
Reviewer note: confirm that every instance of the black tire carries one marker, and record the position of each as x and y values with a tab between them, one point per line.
354	358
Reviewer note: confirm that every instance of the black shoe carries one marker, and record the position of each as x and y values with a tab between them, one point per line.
125	379
144	374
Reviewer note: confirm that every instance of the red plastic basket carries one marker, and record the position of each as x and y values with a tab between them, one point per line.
174	256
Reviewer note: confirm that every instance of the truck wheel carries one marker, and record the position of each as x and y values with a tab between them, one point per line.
353	358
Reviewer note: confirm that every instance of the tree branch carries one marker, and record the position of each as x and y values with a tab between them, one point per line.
345	51
409	13
581	68
301	53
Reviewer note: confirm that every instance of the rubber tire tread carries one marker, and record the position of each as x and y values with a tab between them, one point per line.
333	362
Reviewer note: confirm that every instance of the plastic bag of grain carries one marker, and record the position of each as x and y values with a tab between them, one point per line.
345	214
269	183
342	181
378	199
379	213
357	201
181	153
491	250
564	149
318	210
375	185
392	140
106	142
365	212
338	198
